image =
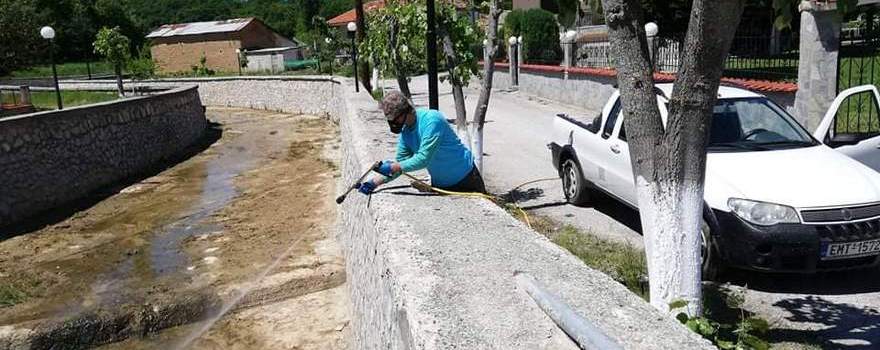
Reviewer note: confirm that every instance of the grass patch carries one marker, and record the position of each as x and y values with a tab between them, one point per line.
70	98
622	262
11	295
19	290
64	69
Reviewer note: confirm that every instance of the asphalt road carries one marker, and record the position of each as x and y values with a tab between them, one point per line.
835	310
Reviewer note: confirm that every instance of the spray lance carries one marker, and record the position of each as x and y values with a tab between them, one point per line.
357	183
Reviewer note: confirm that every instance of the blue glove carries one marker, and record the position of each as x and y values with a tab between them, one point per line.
385	168
367	187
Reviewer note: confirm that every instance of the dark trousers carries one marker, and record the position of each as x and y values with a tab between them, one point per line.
473	182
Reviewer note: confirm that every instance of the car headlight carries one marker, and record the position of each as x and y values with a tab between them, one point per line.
761	213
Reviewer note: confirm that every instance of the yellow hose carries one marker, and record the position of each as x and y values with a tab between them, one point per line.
492	198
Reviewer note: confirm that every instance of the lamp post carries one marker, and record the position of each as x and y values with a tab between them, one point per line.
49	34
431	51
514	61
352	28
332	57
651	30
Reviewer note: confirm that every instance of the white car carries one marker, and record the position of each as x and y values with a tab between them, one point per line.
776	197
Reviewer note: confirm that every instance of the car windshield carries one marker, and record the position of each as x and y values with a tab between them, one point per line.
754	124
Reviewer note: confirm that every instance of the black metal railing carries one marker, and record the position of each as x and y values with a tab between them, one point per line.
858	59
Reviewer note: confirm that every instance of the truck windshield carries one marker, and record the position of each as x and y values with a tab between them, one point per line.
754	124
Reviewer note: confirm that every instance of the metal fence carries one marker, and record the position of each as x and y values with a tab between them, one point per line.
858	63
768	57
858	59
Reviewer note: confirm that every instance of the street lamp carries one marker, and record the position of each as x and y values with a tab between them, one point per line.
49	34
651	30
352	27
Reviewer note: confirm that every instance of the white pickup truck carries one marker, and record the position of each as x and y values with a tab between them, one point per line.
777	198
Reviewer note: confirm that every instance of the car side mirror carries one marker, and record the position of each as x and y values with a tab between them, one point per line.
845	140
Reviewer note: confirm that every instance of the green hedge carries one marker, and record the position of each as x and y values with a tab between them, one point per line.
540	33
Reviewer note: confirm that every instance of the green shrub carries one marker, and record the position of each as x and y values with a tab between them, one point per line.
540	33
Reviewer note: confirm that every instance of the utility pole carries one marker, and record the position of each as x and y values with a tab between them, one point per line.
433	100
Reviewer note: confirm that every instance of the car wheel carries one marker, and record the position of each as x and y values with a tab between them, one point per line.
573	184
711	266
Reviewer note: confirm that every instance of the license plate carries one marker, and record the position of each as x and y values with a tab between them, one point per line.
832	251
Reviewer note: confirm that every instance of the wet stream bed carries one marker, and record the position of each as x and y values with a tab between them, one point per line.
248	220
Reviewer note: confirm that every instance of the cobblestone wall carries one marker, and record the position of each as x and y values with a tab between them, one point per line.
50	158
295	95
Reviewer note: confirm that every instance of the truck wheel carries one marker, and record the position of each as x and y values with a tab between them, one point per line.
573	184
711	266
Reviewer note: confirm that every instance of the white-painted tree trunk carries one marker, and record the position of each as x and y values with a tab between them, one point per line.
671	229
490	48
477	148
669	161
461	123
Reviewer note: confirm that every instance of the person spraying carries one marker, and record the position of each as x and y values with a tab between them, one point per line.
425	141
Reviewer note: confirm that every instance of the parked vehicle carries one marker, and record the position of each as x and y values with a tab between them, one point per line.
776	198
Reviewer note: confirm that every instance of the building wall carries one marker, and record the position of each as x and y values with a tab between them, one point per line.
180	53
266	63
50	158
526	4
181	56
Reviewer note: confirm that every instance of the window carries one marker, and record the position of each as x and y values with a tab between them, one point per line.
858	115
612	119
754	124
622	134
594	125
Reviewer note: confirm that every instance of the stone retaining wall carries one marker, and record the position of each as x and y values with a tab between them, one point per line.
436	272
50	158
295	95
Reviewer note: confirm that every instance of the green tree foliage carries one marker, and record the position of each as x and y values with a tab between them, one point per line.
142	67
77	22
113	45
116	49
411	23
540	34
410	19
20	41
465	35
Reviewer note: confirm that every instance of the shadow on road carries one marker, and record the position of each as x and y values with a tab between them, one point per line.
847	326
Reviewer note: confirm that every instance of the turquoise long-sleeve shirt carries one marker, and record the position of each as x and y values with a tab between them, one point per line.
431	143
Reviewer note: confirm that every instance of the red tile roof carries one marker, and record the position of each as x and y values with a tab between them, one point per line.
351	15
750	84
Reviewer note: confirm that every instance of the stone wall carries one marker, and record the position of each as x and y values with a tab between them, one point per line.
50	158
437	272
589	92
295	95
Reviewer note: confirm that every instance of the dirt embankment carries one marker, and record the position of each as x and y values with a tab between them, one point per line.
204	230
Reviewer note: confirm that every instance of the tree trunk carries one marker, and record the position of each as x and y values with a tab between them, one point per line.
669	165
486	84
461	125
399	73
361	34
118	69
